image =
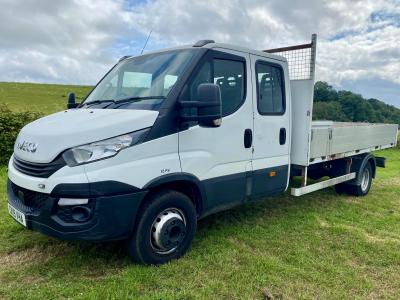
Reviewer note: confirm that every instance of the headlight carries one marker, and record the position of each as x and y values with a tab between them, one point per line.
102	149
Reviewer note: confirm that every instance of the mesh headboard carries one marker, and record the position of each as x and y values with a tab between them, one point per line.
301	59
301	64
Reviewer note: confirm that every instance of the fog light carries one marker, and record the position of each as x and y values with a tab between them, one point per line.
81	213
72	201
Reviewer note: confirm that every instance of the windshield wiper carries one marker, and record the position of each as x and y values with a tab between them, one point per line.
99	101
134	99
124	100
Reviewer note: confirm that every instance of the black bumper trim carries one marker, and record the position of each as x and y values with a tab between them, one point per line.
93	189
113	217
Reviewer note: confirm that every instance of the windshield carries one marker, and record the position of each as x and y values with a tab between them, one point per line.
141	82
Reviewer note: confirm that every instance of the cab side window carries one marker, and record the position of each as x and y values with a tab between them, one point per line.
202	76
270	89
229	75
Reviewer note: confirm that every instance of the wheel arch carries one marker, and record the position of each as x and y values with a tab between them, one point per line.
359	162
185	183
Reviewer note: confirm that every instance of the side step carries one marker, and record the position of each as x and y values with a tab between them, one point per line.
321	185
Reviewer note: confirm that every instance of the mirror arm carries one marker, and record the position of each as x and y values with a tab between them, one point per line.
197	118
72	105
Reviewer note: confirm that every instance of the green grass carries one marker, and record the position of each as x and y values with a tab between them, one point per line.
317	246
46	98
320	245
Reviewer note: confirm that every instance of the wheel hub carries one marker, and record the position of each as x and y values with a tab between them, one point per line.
168	231
365	179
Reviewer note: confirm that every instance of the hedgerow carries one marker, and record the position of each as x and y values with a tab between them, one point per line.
10	124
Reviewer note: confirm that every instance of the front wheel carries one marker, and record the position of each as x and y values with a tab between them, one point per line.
165	228
364	186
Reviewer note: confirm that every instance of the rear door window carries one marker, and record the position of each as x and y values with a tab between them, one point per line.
270	89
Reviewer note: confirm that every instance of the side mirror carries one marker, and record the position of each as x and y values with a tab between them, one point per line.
209	106
210	113
71	101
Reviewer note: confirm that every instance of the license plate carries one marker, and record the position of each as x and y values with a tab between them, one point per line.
17	215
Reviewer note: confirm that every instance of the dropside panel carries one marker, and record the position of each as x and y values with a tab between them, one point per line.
332	140
349	137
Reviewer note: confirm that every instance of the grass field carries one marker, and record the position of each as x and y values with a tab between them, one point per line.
321	245
45	98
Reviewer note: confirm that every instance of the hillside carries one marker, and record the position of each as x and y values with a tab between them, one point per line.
330	104
45	98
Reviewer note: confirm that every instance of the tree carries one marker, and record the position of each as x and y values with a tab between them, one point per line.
355	107
324	92
330	104
329	111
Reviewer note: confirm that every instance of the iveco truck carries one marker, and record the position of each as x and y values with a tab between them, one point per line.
169	137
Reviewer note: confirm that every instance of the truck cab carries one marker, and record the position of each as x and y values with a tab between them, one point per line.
164	139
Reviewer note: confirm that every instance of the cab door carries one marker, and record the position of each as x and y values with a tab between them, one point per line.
271	143
219	157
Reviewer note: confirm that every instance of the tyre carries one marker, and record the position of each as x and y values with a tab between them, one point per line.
164	230
341	188
363	188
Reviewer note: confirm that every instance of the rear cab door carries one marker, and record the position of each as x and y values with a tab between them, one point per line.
271	106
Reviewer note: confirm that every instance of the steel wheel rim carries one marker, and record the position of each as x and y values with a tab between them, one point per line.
163	221
365	180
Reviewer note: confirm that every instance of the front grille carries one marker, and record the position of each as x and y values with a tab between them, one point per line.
38	169
28	201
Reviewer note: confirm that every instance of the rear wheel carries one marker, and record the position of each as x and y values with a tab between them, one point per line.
364	186
165	228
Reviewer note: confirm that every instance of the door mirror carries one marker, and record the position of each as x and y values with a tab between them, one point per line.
71	101
209	106
210	113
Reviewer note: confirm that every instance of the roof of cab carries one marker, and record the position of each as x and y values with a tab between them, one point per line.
245	50
209	44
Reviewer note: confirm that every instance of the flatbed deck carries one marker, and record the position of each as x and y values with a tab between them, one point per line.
332	140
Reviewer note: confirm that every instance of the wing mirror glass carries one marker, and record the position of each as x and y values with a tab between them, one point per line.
209	106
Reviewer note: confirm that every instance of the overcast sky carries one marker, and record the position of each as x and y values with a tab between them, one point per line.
58	41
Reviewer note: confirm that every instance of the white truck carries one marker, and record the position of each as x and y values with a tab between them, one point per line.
169	137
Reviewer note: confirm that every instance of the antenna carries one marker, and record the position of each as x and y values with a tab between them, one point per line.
145	44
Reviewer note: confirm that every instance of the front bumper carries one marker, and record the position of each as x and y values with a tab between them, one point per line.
112	216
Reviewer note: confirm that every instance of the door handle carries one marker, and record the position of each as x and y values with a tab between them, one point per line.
282	136
248	138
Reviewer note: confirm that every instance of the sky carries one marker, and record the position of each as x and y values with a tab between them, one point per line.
77	41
